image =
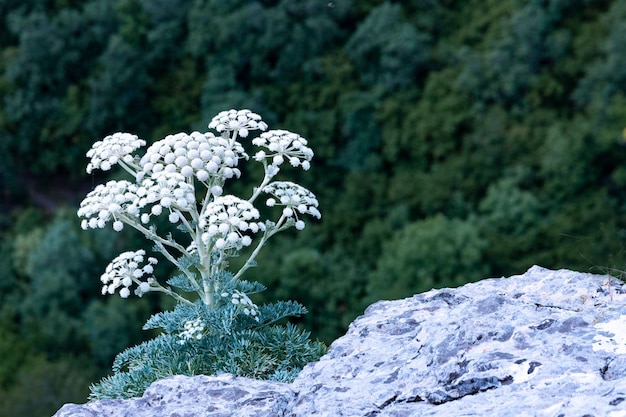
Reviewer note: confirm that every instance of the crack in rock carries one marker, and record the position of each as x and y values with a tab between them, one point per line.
466	387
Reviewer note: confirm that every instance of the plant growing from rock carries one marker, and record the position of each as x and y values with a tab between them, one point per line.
215	326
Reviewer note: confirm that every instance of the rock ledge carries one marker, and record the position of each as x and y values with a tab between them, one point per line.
545	343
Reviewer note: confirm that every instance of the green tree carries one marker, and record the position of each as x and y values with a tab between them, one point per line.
47	73
42	386
388	51
510	218
432	253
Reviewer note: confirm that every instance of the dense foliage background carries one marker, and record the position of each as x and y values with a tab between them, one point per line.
455	140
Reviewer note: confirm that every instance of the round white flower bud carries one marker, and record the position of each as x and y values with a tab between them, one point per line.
186	171
143	288
197	163
202	175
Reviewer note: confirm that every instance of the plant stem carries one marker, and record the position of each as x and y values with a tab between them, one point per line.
171	293
160	244
279	226
266	180
129	168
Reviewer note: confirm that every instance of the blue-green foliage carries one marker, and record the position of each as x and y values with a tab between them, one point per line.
231	342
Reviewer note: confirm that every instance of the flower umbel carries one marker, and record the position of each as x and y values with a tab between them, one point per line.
228	222
192	331
115	200
295	198
283	145
204	156
126	270
241	121
244	303
113	149
168	191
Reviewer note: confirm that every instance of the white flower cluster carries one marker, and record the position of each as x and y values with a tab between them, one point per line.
295	198
165	184
192	330
166	190
108	152
125	270
226	220
204	156
281	145
164	178
243	303
109	201
241	121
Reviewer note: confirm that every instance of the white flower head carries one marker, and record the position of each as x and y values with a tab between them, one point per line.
110	150
242	121
281	146
192	330
167	191
125	270
228	221
109	201
243	303
200	155
295	198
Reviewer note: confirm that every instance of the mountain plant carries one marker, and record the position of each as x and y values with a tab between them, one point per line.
215	327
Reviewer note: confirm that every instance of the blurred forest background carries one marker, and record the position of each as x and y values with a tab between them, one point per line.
455	140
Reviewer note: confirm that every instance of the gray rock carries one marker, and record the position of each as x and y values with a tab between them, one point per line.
546	343
183	396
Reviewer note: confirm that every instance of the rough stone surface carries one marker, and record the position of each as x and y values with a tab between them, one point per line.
545	343
183	396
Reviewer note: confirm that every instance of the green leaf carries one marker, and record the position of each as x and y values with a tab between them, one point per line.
182	282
